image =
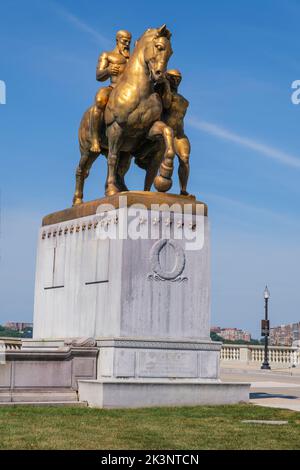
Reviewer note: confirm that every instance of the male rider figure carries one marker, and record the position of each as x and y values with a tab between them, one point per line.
175	107
110	66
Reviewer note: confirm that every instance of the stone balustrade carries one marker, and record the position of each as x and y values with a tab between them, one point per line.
10	344
288	356
229	352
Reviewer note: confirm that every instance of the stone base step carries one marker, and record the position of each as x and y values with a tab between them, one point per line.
78	404
38	396
140	393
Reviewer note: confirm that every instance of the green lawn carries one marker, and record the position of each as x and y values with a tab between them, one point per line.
215	427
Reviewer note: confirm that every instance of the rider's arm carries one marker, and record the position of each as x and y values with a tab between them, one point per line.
102	71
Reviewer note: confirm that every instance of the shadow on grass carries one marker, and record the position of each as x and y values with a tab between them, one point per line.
259	395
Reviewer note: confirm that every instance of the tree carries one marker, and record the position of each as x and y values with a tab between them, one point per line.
215	337
8	333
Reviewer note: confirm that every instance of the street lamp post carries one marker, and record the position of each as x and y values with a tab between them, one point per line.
265	330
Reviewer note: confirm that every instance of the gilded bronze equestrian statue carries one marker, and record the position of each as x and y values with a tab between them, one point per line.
139	114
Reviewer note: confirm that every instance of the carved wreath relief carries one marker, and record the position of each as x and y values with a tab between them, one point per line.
158	272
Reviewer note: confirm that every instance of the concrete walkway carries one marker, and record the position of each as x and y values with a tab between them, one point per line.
277	388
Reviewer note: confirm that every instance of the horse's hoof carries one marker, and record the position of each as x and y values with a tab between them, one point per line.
162	184
184	193
76	201
111	190
95	148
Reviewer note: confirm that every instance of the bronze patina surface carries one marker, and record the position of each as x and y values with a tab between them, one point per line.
174	110
126	119
146	198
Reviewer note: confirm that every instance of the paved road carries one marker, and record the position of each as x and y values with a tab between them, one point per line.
278	388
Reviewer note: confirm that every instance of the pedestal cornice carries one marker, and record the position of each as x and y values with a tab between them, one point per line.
146	198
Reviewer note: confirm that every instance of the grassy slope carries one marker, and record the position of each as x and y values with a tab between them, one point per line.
160	428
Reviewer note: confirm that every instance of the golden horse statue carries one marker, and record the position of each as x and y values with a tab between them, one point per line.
132	116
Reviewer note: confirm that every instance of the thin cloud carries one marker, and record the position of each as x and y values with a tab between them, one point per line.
224	134
81	25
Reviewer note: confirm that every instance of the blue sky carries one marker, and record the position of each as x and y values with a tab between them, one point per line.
238	60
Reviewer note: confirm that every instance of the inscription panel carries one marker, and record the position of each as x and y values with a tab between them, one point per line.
167	364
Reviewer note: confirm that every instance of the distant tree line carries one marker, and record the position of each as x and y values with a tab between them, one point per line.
8	333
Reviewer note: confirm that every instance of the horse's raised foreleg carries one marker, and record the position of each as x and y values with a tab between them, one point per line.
82	173
114	134
163	182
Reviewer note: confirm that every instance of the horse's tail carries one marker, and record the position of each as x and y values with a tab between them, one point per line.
84	131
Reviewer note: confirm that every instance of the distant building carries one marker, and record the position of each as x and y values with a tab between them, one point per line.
285	335
17	326
215	329
232	334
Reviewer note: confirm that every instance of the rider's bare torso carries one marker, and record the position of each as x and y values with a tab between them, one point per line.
174	115
110	66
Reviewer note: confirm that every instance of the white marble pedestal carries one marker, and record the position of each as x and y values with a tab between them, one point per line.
138	281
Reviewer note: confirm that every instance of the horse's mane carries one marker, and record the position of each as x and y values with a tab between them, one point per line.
154	32
147	34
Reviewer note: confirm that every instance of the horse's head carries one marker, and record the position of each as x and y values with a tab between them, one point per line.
157	52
